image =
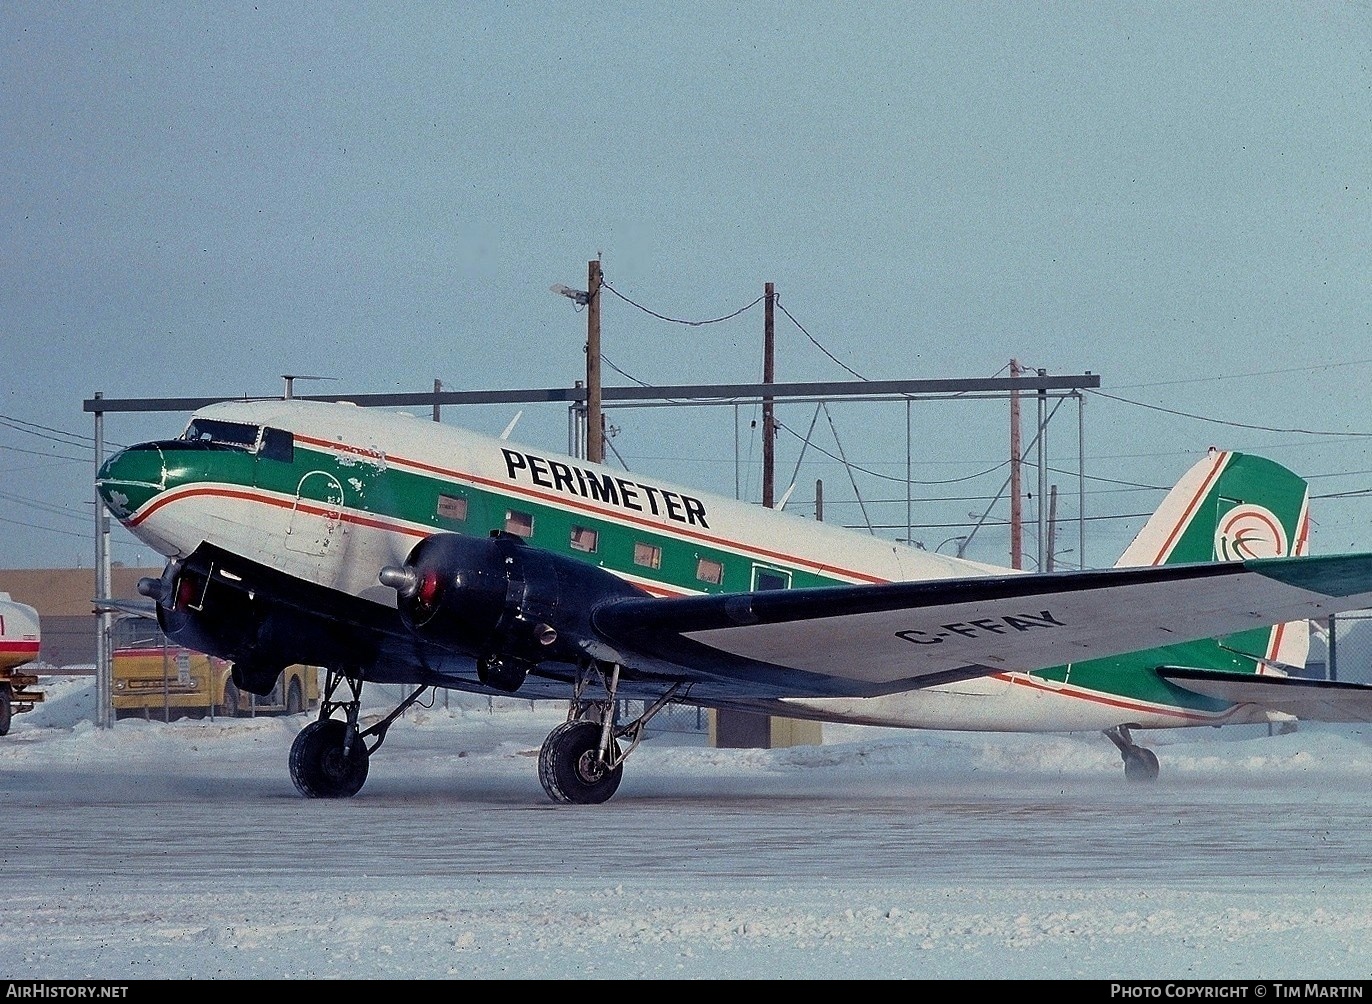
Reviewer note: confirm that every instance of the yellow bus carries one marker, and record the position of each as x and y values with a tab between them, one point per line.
157	680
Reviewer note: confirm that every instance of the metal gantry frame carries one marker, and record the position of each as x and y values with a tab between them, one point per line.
578	400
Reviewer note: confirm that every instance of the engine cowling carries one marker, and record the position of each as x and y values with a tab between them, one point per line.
498	599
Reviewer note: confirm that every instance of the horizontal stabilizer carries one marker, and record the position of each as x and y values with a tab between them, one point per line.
1311	700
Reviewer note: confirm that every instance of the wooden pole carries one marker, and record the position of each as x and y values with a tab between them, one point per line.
1016	479
595	426
768	376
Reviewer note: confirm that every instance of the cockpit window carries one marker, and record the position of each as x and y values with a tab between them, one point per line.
277	444
209	430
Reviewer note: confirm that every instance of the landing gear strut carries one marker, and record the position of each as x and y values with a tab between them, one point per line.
330	756
582	760
1140	763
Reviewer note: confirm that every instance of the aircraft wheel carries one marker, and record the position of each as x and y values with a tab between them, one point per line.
1140	764
571	770
318	766
6	709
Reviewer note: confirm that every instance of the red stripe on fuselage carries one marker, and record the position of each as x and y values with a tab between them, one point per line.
176	495
1111	701
569	503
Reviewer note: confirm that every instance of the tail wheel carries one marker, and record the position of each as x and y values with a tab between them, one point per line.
319	767
570	767
1140	764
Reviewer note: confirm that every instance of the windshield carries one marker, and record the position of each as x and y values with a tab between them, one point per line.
209	430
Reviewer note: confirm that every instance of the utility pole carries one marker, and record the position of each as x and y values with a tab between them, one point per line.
749	729
1043	470
104	672
768	376
1016	479
595	426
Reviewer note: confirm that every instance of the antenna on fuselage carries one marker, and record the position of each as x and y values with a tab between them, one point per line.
291	378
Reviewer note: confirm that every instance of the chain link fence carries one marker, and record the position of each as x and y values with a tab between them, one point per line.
1341	648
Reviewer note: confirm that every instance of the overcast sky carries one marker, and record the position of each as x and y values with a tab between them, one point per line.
200	198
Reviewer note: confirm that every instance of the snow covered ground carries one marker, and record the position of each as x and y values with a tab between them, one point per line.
182	850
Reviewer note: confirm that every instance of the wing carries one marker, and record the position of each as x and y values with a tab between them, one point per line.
883	638
1311	700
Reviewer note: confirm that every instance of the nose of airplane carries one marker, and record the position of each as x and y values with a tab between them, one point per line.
128	479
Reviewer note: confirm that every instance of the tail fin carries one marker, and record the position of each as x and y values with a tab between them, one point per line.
1228	507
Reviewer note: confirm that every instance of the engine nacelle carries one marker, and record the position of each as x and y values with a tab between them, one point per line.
225	606
217	617
501	601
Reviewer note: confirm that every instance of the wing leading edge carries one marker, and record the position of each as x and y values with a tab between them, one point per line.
893	636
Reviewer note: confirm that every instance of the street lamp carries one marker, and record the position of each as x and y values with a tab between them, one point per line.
962	544
579	296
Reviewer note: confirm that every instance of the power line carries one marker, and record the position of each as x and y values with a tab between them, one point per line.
18	425
817	345
675	320
1248	376
890	477
1220	421
50	456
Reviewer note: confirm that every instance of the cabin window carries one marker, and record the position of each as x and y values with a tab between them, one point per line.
585	539
709	570
647	555
770	578
452	507
277	444
521	524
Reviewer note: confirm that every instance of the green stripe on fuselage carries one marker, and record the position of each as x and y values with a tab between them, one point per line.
1134	675
391	491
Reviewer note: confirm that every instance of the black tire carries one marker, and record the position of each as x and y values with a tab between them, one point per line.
1140	764
570	769
6	709
295	698
318	766
232	701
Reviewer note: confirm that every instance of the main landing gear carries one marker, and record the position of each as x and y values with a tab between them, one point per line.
580	763
582	760
329	757
1140	763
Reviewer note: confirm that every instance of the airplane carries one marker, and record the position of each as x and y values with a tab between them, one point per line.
391	549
